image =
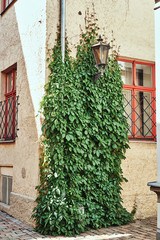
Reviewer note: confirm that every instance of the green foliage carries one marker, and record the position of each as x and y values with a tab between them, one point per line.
84	141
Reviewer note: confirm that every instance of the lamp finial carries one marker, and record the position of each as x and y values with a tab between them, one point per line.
100	38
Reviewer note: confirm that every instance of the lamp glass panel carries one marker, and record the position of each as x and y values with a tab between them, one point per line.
96	51
104	54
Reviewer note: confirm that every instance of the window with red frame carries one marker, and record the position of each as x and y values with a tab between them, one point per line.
6	3
139	93
10	104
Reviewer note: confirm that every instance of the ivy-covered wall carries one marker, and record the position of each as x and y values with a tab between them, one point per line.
134	33
84	141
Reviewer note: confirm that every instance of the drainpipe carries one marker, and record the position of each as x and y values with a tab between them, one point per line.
155	186
63	18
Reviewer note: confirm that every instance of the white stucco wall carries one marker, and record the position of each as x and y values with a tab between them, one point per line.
31	19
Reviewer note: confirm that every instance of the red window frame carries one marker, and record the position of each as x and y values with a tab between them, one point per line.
134	88
8	95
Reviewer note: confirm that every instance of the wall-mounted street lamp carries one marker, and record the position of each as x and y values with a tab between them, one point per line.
100	52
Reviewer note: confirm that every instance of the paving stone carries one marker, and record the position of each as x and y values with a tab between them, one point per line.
11	228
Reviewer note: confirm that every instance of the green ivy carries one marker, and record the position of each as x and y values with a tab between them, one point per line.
84	141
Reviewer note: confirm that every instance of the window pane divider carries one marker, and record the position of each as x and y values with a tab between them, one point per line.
139	88
134	110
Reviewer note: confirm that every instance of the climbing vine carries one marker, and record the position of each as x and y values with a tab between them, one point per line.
84	140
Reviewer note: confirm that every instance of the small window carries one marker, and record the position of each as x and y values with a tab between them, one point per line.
10	104
9	107
139	94
5	4
6	189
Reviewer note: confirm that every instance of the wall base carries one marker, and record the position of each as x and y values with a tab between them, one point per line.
21	207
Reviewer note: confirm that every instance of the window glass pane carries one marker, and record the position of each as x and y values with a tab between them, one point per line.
15	80
9	188
144	114
144	75
128	109
9	82
7	2
126	72
4	189
10	107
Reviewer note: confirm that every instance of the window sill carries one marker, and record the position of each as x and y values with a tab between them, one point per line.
140	141
6	141
4	205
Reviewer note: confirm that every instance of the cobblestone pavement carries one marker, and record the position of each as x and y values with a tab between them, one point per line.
11	228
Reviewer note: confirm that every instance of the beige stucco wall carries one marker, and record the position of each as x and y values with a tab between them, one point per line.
132	23
139	168
19	45
19	153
